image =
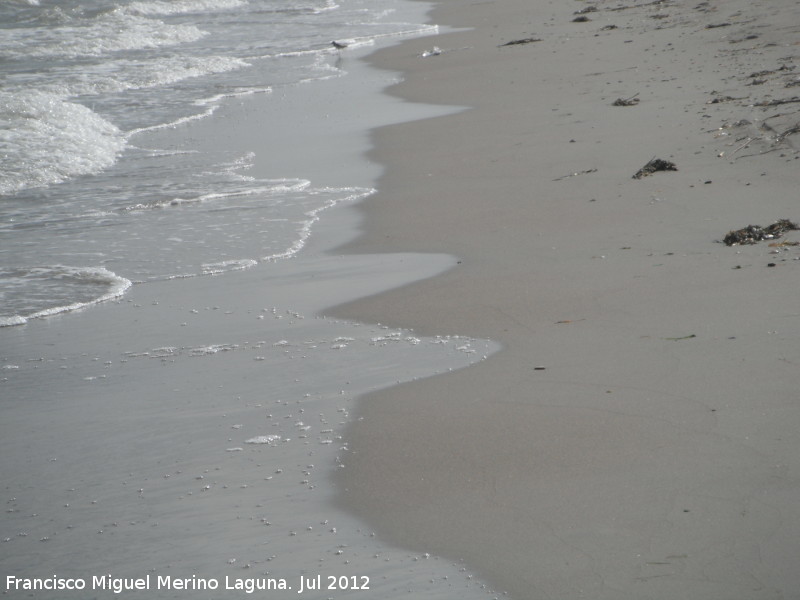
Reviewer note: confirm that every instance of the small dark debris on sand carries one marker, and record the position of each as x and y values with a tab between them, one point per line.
656	164
632	101
779	102
772	71
744	39
520	42
788	132
720	99
715	25
581	19
653	3
608	28
588	9
752	234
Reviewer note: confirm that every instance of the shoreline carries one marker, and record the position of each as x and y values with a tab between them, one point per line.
635	436
193	426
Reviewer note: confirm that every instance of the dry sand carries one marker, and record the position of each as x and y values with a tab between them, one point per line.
637	436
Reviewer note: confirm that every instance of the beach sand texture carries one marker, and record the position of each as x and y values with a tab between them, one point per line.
637	436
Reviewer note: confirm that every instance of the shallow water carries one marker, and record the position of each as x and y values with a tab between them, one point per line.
172	401
202	442
91	200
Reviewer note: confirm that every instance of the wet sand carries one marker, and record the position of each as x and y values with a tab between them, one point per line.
637	436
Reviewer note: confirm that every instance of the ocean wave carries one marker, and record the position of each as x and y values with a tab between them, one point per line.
107	33
89	285
210	105
116	76
301	7
312	216
179	7
85	78
329	5
52	140
228	265
268	188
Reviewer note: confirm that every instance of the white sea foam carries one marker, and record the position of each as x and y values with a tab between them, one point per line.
110	32
211	103
98	283
312	217
212	349
182	120
119	75
215	99
329	5
228	265
267	188
264	439
52	140
10	321
183	6
57	139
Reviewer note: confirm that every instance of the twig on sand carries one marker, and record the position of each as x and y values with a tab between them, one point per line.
632	101
743	146
574	174
787	133
520	42
779	102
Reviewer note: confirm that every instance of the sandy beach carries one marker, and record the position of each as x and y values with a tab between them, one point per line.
637	435
517	370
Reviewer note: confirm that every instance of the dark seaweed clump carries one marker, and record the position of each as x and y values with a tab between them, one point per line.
657	164
752	234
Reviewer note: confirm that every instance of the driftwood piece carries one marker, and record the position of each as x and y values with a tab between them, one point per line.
520	42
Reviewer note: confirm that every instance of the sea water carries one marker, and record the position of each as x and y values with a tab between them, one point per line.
161	163
90	204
